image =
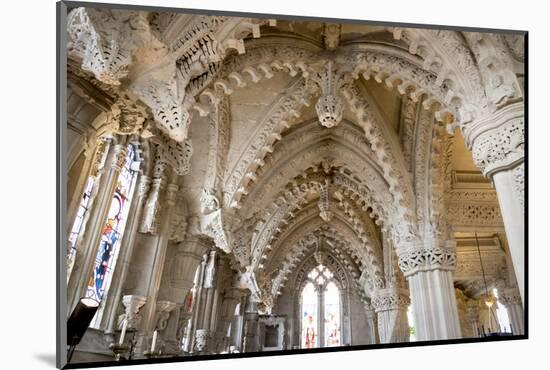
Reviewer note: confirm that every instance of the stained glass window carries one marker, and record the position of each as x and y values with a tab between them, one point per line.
77	224
309	317
112	232
332	315
320	311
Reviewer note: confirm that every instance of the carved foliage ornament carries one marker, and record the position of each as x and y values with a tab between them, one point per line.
330	107
425	259
500	146
390	299
104	39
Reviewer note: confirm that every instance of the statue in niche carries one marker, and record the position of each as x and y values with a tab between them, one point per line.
210	274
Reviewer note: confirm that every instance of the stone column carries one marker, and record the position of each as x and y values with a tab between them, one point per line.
231	298
390	305
250	339
429	271
511	299
159	246
99	208
497	144
372	324
472	315
164	310
125	255
187	258
197	307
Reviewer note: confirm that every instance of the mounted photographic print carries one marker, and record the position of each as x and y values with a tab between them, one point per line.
238	185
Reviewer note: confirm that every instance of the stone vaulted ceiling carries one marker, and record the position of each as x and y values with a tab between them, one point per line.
287	135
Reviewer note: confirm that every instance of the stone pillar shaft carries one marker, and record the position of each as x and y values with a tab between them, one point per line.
125	256
497	144
391	305
159	245
428	270
91	237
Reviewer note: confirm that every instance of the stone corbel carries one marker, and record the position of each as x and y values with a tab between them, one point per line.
219	225
105	40
132	305
163	313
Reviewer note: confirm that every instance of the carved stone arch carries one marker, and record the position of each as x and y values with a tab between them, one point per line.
447	54
341	249
292	150
360	249
308	223
281	214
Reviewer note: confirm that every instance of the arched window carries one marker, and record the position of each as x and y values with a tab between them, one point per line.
112	232
77	224
320	310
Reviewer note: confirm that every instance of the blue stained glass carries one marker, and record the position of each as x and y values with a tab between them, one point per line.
112	231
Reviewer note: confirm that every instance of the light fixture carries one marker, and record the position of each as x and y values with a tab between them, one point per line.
78	323
489	299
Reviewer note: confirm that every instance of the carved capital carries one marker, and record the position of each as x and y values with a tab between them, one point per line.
119	157
497	142
426	258
390	299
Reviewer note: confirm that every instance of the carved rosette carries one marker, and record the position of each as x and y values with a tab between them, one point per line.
415	260
202	338
132	305
390	299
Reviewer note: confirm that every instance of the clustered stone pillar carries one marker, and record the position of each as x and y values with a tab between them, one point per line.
472	315
511	299
390	305
429	268
497	144
182	268
251	317
372	325
101	200
157	245
231	298
125	256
